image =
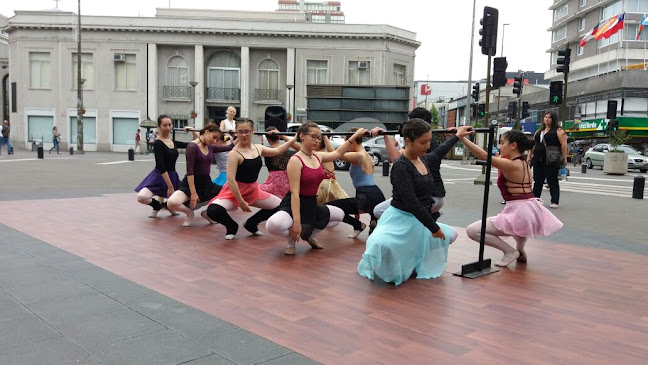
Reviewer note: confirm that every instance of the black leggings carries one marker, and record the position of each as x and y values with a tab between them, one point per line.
541	172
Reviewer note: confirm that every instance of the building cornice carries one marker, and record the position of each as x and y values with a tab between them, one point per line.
236	27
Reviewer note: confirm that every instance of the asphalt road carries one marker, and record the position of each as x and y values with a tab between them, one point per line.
597	209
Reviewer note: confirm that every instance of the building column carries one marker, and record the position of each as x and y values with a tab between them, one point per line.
199	90
290	80
245	82
152	86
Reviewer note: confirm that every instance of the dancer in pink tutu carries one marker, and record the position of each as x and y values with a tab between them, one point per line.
524	215
277	181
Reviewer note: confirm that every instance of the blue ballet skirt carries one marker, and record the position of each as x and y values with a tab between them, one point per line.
399	245
221	179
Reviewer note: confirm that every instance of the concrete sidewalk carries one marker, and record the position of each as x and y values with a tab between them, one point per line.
56	308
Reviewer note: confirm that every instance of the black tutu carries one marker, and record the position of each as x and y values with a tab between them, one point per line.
312	215
155	183
205	188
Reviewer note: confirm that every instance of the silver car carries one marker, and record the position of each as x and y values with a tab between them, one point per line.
596	155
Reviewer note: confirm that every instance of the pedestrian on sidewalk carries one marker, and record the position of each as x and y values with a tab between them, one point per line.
138	142
56	139
4	137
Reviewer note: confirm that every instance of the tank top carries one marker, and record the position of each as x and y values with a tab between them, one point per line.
229	126
359	177
502	184
310	178
248	170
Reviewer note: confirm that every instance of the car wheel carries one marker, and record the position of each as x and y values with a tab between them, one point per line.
376	159
341	165
643	171
589	163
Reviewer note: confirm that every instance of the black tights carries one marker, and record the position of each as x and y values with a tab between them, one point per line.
350	206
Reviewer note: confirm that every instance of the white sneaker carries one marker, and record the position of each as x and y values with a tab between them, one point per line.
553	206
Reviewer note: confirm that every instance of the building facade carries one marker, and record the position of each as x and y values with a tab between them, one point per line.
134	69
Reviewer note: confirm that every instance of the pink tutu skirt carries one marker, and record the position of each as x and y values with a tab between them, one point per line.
276	184
526	218
249	191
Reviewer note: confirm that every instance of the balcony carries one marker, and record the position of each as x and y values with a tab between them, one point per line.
176	93
219	93
266	95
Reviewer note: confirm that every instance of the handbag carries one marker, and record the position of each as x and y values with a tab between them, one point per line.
554	157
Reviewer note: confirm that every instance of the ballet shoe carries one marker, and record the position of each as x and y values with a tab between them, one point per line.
508	259
254	230
356	232
314	243
204	215
154	213
372	226
229	237
187	222
523	255
290	249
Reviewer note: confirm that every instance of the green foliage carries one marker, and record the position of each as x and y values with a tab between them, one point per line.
436	120
617	138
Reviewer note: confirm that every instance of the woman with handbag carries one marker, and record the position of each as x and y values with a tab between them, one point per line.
548	156
56	139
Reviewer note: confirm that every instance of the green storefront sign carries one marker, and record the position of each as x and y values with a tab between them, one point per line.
588	128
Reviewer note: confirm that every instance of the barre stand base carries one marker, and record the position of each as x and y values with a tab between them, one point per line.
481	180
476	269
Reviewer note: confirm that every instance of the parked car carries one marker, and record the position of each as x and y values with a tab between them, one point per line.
292	127
377	149
336	141
596	155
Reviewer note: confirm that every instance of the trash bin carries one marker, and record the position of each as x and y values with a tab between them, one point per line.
131	154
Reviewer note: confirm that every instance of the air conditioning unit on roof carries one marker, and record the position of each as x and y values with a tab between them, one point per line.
117	57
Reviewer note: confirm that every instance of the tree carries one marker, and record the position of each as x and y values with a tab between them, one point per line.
436	120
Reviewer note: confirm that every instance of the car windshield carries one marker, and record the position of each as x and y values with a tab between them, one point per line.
627	149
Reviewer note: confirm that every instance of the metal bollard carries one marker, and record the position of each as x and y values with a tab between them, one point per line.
131	154
71	150
385	168
584	168
638	187
39	152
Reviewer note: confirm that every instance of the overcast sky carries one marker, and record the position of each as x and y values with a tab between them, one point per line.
443	27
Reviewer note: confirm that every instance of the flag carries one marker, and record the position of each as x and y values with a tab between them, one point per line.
643	23
610	27
589	35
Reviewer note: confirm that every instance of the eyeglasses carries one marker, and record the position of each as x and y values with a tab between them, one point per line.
244	133
315	136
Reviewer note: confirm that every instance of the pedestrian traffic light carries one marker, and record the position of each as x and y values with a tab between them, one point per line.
564	57
518	84
555	92
613	126
481	110
525	109
499	72
488	42
475	92
512	109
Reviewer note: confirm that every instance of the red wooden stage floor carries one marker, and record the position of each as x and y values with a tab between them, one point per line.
569	304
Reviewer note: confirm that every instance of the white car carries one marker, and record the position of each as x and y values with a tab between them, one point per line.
596	155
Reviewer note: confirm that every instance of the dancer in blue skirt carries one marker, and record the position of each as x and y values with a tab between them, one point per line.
407	239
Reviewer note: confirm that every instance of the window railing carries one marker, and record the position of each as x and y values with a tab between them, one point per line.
176	92
266	94
219	93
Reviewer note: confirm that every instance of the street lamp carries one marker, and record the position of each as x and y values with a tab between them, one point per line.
289	87
79	87
193	98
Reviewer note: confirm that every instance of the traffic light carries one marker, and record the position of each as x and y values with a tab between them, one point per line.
555	92
512	109
481	110
475	92
474	110
564	57
499	72
488	42
518	84
611	109
613	126
525	109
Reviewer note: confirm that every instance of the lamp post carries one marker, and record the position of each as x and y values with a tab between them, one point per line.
499	89
289	87
80	82
193	98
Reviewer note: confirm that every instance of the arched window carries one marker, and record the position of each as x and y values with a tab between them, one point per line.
268	80
177	85
223	73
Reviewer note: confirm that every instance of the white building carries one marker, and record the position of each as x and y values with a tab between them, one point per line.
137	68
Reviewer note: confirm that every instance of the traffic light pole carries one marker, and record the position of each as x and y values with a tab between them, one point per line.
563	106
481	179
517	113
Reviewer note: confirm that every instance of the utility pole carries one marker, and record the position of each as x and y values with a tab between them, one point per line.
80	109
472	41
499	89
